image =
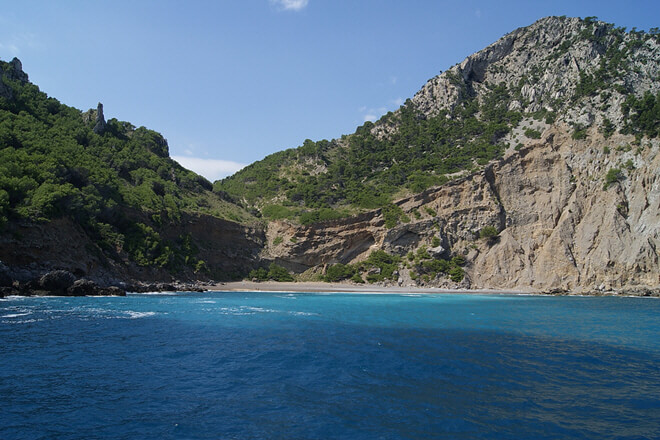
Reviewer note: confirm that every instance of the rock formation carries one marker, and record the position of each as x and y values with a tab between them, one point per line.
99	128
562	226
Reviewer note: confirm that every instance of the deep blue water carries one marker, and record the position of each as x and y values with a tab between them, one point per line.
340	366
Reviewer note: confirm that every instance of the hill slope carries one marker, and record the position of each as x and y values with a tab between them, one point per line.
583	73
71	180
547	142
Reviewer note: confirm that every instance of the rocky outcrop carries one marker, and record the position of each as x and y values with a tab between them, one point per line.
100	126
13	72
57	281
32	250
543	64
560	228
561	225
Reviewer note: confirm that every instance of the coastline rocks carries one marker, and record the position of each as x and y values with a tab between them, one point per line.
57	280
141	287
83	288
5	278
59	283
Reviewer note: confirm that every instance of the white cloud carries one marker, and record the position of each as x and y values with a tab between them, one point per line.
13	44
398	102
10	48
212	169
290	5
372	114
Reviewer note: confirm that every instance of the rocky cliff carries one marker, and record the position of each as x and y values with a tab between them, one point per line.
575	198
546	144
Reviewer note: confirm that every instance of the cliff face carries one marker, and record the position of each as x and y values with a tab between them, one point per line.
32	249
560	228
576	202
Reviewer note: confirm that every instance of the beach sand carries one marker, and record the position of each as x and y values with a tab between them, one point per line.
318	287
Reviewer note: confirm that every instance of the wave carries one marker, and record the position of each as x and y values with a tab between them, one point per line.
153	293
135	315
16	315
20	321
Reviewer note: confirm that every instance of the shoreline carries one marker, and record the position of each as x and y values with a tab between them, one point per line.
321	287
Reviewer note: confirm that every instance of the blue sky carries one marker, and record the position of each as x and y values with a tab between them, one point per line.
228	82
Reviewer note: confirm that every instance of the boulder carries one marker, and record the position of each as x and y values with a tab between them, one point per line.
110	291
83	288
57	280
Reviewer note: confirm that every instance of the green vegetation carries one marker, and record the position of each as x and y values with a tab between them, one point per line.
579	132
393	214
488	232
119	185
428	268
607	128
381	266
274	273
643	115
364	171
614	175
532	134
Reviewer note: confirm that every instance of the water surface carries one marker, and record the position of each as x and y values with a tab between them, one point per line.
241	365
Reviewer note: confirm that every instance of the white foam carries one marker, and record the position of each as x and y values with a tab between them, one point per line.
303	314
15	315
153	293
21	321
260	309
135	315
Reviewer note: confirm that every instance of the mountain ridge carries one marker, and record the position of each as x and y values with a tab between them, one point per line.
558	191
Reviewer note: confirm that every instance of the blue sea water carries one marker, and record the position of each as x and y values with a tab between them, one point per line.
220	365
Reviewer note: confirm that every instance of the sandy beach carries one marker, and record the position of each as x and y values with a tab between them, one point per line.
318	287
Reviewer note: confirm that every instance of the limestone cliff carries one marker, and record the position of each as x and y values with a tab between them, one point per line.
576	203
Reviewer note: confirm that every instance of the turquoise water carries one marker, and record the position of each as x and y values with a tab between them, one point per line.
220	365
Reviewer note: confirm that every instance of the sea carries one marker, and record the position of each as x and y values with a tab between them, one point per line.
248	365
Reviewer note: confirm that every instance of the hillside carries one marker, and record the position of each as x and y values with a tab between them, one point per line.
108	190
531	164
583	73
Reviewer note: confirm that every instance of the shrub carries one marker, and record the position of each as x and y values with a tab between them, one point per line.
278	273
579	133
276	212
533	134
338	272
456	274
488	232
357	278
614	175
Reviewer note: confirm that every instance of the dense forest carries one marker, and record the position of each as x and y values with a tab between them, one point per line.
117	181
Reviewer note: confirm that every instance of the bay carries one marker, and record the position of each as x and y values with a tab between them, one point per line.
247	365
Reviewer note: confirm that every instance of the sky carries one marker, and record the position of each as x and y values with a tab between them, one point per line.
228	82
